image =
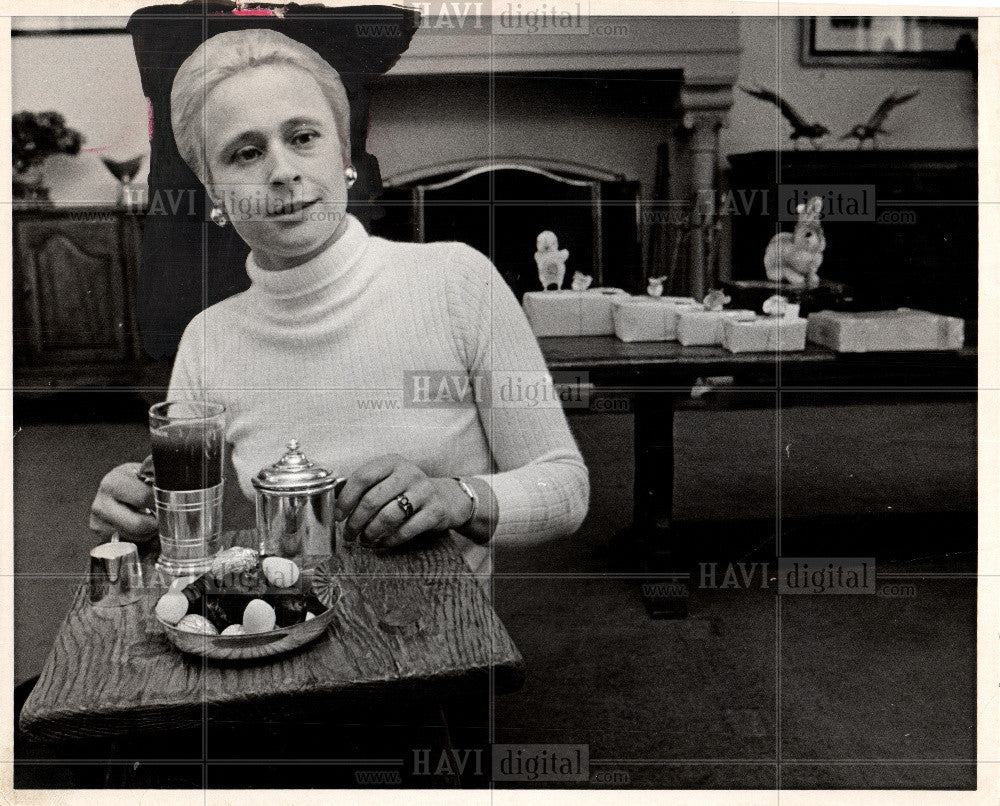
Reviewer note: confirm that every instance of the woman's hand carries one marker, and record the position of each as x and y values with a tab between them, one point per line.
370	502
124	504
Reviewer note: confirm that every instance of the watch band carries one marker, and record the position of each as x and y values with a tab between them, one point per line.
467	488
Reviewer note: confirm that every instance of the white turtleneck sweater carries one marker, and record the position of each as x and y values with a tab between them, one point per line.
333	352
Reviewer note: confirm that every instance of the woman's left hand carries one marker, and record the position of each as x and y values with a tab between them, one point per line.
374	502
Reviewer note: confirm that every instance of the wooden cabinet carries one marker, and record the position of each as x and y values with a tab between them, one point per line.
74	321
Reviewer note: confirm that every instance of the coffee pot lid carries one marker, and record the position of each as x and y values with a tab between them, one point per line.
293	472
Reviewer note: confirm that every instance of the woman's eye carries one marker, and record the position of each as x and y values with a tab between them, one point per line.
246	154
304	138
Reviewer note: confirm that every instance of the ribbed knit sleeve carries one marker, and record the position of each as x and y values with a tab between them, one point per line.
541	482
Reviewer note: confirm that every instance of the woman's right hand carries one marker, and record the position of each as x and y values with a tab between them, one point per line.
124	504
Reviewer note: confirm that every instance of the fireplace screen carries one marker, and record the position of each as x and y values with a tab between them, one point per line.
500	207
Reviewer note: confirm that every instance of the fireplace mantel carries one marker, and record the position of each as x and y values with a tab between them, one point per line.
707	50
703	52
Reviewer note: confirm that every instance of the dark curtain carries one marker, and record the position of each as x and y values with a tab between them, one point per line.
187	262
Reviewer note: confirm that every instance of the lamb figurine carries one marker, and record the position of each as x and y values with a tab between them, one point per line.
551	260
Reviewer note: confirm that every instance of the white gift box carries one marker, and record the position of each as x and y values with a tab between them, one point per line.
571	313
649	318
704	328
877	331
764	334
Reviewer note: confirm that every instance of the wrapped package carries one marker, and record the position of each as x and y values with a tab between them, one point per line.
571	313
764	334
877	331
647	318
704	328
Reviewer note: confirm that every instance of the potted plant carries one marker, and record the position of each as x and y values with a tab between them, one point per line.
36	137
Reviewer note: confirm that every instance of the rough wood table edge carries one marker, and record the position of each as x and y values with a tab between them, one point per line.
41	720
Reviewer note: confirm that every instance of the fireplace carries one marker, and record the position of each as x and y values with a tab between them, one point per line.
500	205
575	122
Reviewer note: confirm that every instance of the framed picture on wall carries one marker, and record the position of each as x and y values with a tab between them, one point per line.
888	42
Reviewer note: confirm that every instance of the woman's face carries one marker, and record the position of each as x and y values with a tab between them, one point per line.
276	163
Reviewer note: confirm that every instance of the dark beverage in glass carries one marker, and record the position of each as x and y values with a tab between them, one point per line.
187	456
188	438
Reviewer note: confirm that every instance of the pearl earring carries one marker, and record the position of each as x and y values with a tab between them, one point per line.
218	217
351	174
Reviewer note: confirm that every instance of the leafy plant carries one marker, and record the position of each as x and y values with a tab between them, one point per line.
39	135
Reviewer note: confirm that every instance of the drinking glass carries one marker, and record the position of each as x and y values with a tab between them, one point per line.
188	438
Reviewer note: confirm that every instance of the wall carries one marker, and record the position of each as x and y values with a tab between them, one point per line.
942	116
93	81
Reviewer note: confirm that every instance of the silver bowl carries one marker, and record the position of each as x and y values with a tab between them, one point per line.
262	644
254	645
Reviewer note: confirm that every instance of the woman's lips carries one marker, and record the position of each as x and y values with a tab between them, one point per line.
292	209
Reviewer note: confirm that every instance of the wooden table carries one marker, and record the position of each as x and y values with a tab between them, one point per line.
112	671
656	375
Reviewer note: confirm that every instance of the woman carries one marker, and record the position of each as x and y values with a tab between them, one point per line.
353	344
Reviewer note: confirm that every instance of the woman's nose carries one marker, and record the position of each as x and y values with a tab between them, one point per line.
283	169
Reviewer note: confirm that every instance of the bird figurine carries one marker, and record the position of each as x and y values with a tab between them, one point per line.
873	126
550	259
800	128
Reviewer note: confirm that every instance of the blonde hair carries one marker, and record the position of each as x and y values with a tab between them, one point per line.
229	53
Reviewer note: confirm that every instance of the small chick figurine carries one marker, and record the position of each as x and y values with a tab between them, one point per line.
581	282
551	260
795	257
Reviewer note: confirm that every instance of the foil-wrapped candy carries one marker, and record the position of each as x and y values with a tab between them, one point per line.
236	567
192	622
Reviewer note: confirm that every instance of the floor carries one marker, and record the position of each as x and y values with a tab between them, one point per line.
872	691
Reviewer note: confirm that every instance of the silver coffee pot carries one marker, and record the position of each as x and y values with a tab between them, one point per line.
295	502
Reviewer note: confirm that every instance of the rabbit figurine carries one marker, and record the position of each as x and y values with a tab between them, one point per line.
795	257
551	260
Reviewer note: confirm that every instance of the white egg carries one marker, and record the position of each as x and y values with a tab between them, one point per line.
280	572
233	629
172	607
258	617
197	624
